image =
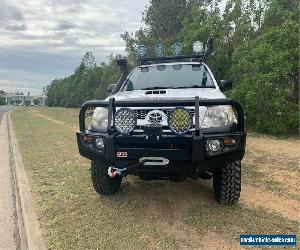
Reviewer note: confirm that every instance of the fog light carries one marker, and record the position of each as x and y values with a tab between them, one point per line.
99	143
213	145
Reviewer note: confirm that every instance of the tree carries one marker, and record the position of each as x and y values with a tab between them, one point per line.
163	21
27	102
45	90
267	70
256	44
89	60
83	85
164	18
2	100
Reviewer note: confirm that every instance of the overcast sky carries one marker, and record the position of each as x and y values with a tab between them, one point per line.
44	39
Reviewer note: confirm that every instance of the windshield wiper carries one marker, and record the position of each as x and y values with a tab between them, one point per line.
192	86
180	87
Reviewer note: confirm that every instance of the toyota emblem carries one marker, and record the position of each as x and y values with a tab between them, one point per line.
155	116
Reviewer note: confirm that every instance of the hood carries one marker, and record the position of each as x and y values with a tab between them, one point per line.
171	94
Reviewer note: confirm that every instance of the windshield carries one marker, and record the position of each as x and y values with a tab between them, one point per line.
169	76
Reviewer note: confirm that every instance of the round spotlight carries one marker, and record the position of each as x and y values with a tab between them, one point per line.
213	145
177	49
180	121
198	47
99	143
159	50
142	51
125	121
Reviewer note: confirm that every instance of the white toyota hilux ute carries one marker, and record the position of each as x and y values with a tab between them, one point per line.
167	119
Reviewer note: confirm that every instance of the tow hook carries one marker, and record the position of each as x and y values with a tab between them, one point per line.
113	171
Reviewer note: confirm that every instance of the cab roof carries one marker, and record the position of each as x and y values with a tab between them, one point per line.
171	63
198	58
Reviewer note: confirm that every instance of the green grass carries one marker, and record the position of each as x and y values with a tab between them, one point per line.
68	116
258	179
141	215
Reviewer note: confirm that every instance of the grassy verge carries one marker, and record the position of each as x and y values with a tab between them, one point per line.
154	214
258	179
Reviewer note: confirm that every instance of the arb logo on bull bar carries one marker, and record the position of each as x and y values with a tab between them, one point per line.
122	154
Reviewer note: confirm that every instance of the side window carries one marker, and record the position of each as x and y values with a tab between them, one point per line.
129	86
204	78
207	78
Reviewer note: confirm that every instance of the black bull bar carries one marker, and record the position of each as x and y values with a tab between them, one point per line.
198	135
111	104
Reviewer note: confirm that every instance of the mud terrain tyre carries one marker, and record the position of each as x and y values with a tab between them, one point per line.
102	182
227	183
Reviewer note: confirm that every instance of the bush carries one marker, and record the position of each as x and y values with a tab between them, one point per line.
266	71
2	101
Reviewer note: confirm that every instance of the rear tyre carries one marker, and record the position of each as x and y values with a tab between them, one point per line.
102	182
227	183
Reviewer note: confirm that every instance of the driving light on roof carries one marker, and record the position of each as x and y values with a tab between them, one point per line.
159	50
177	49
142	51
198	47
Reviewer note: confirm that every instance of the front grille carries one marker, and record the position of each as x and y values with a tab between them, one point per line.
166	130
142	113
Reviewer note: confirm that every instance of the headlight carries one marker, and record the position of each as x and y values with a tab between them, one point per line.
218	116
100	118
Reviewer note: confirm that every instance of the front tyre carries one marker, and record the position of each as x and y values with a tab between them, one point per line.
102	182
227	183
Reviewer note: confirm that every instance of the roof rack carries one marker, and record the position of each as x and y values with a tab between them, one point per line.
178	58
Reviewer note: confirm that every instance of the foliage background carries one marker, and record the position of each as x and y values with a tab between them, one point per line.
256	45
2	101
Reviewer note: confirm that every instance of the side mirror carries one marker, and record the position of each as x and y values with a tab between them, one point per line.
225	85
111	87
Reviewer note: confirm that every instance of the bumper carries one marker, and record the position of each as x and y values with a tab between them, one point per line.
188	154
